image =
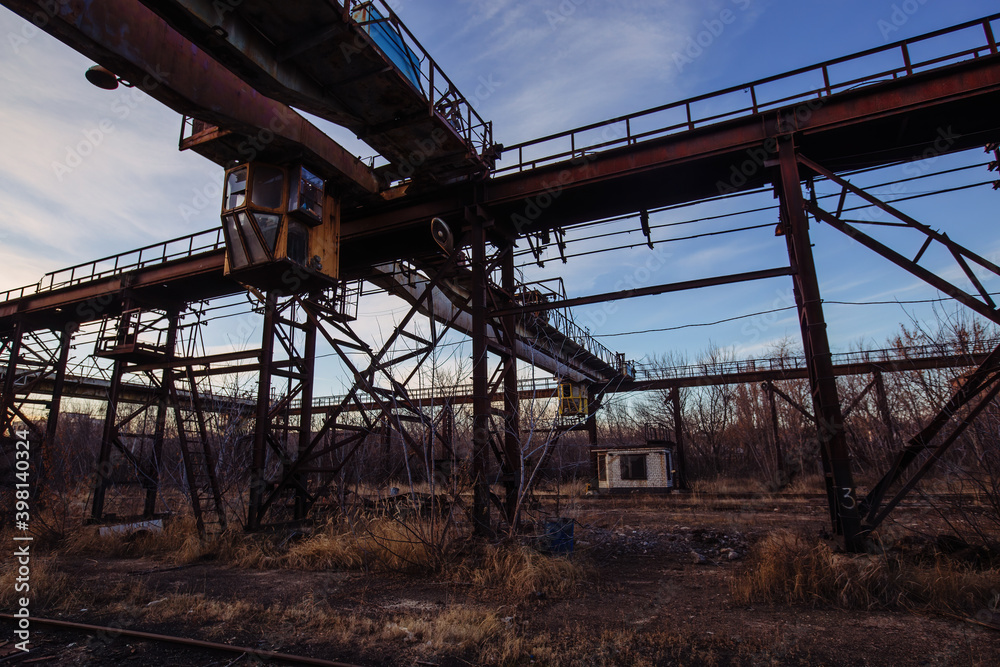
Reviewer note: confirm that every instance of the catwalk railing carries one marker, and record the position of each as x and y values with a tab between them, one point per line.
393	38
887	356
782	90
889	359
547	387
182	247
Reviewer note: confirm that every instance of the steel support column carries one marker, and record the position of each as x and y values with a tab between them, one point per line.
882	402
779	456
108	435
162	406
308	369
55	402
262	421
7	398
823	381
480	380
511	400
675	400
591	416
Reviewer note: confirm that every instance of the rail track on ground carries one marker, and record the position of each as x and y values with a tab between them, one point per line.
109	632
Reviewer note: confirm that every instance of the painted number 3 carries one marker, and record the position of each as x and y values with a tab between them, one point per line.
847	500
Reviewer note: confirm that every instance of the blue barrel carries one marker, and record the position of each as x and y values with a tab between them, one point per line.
559	536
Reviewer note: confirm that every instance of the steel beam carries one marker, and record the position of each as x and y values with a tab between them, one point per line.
139	46
108	435
480	380
58	383
645	291
511	403
7	398
546	349
779	457
848	130
308	357
262	421
822	378
162	406
675	402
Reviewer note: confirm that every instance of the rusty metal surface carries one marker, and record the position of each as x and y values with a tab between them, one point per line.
828	78
317	57
138	46
893	121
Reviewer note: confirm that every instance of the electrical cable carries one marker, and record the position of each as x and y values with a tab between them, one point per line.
777	310
873	187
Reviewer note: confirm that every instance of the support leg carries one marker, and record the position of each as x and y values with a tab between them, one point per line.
826	402
7	398
480	382
104	467
779	456
882	402
675	400
160	426
55	403
262	424
512	403
305	417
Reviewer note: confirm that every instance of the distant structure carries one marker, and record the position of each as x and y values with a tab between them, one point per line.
648	469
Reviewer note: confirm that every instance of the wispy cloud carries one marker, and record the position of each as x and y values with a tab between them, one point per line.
567	63
85	173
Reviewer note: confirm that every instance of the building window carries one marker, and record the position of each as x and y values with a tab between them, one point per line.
602	467
633	466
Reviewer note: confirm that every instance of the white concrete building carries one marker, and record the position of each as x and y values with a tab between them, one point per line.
642	468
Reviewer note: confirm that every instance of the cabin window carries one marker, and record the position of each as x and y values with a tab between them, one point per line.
298	242
268	186
602	467
236	188
254	247
633	466
237	255
307	196
268	223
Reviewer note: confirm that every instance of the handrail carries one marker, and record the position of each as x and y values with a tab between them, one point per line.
650	372
887	356
181	247
436	394
692	121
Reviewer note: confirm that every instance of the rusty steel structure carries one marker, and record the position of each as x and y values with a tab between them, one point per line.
234	71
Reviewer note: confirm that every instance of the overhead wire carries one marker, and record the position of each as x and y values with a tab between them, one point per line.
776	310
876	186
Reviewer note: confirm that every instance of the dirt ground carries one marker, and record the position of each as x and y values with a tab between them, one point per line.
657	593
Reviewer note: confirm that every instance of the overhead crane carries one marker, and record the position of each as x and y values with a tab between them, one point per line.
300	215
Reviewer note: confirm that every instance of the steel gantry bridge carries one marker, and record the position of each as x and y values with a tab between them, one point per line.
435	222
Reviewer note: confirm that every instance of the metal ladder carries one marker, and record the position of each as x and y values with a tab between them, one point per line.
199	459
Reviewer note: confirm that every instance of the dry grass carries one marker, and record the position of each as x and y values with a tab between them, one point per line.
53	589
520	571
48	586
785	568
414	545
178	541
728	485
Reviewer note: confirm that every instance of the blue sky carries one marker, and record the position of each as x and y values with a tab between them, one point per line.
532	67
